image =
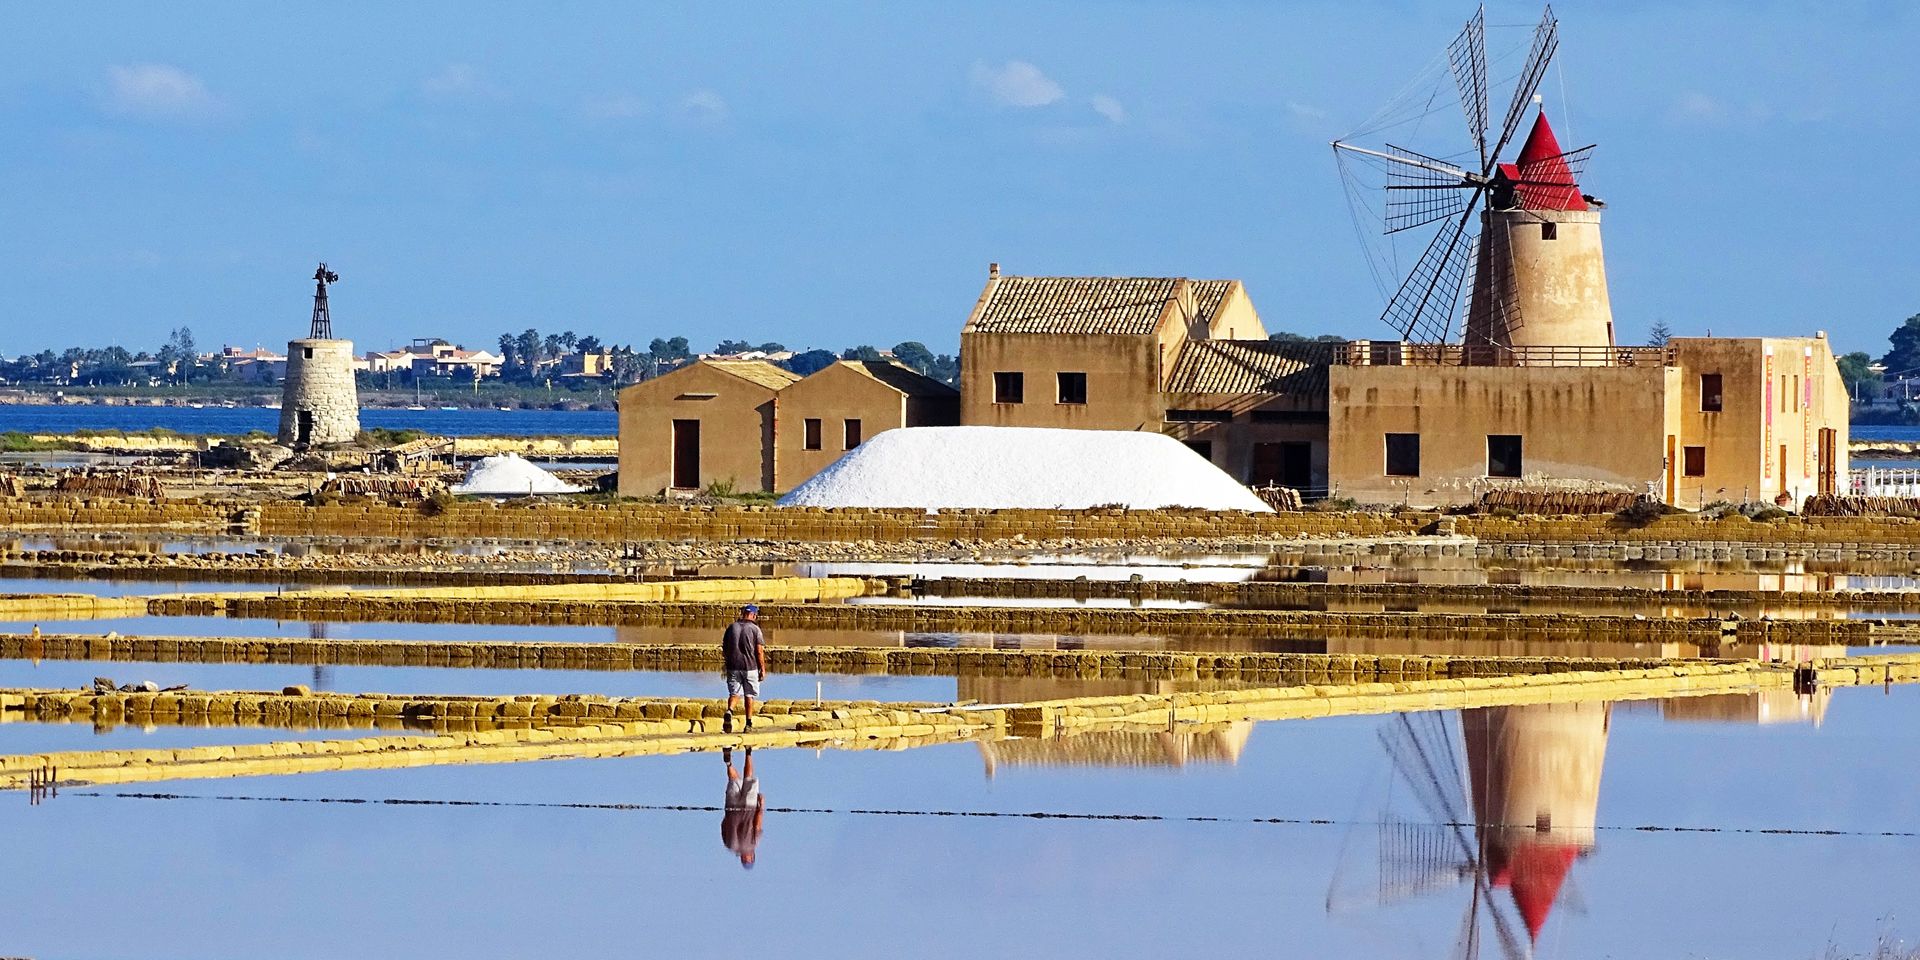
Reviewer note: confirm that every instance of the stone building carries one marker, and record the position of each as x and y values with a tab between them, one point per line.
759	427
319	402
835	409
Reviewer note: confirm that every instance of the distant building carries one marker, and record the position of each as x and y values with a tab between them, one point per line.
433	357
588	363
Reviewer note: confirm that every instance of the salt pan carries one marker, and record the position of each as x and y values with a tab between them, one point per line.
509	474
949	468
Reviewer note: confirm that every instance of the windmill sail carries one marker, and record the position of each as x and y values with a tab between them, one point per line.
1467	57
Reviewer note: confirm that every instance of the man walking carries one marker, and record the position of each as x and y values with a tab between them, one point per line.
745	814
745	650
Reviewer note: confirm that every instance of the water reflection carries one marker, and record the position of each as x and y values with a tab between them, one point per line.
744	813
1504	801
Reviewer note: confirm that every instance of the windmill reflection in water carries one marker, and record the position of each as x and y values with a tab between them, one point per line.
1501	800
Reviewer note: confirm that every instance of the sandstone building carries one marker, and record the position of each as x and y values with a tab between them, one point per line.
754	426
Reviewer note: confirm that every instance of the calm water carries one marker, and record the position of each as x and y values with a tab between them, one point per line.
239	420
1652	853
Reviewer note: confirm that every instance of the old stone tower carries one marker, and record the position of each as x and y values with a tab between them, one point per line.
1540	279
319	403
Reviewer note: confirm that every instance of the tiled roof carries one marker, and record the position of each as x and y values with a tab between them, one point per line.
1208	295
1251	366
905	379
1121	306
756	371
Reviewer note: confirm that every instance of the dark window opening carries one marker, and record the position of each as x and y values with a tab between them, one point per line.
1694	460
1200	416
1073	387
1009	388
1549	231
306	353
1403	454
813	433
851	433
1503	455
1201	447
1710	393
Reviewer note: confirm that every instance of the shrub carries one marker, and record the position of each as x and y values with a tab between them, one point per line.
437	503
1644	512
1767	514
720	488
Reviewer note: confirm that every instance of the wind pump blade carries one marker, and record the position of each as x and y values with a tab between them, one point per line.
1437	189
1423	308
1467	58
1546	39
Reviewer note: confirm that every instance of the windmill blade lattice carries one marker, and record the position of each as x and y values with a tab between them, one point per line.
1467	58
1422	190
1424	306
1546	39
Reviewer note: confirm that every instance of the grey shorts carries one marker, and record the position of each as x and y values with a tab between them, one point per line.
743	681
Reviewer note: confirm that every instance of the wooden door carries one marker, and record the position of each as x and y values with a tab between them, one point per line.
1829	461
1672	470
686	454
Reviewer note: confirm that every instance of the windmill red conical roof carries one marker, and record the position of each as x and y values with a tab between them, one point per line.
1552	186
1536	871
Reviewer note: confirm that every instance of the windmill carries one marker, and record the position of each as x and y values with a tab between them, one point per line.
1520	229
1504	802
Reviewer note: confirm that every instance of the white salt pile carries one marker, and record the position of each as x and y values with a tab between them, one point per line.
509	474
950	468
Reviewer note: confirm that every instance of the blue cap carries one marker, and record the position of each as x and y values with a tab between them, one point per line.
750	608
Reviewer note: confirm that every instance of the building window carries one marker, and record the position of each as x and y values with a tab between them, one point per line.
1694	461
1009	388
1202	447
1073	387
1503	455
1710	393
1200	416
1403	454
851	433
1549	231
813	433
306	353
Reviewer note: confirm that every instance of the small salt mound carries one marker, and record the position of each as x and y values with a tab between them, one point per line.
509	474
951	468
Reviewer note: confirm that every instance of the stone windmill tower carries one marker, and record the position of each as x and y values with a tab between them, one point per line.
319	403
1538	279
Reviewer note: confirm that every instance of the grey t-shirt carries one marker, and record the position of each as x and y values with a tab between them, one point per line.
741	645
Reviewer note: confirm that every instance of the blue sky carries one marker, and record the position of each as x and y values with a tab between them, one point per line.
838	173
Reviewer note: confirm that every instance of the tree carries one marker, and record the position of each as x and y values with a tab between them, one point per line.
1286	337
568	340
864	351
811	362
732	346
1659	334
1904	358
914	354
674	349
588	344
1855	368
772	347
529	343
509	353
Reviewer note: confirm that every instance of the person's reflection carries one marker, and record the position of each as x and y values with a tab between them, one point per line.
745	811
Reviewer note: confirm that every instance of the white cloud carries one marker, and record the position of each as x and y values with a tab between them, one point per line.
704	106
614	106
1694	105
457	80
158	91
1016	83
1305	111
1110	108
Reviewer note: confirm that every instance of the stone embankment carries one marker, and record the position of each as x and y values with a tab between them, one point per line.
575	448
585	523
1257	594
1269	668
690	726
394	606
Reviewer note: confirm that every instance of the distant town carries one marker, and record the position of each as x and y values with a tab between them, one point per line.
529	368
